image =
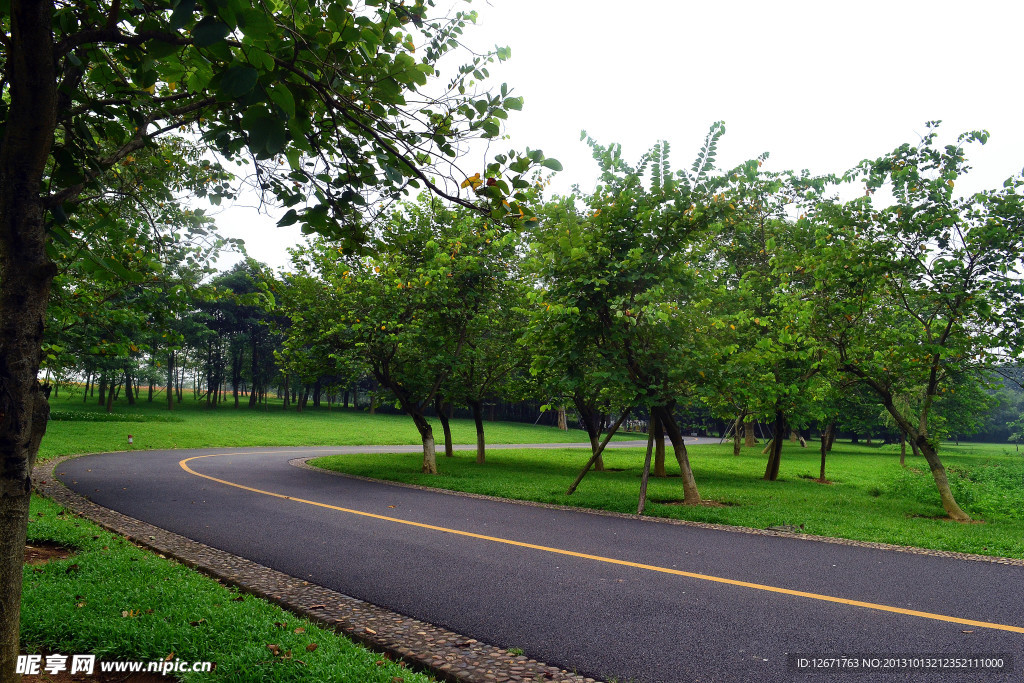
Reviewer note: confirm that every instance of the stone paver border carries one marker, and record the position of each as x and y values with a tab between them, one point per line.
442	653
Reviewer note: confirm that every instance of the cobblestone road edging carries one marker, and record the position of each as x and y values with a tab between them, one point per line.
442	653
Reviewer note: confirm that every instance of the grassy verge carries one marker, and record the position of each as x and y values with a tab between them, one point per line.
121	603
79	427
871	498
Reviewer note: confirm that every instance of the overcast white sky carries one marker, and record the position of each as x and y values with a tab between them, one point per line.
817	84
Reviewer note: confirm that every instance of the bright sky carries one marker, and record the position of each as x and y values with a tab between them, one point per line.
817	84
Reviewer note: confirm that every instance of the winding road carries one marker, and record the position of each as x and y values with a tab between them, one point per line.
606	596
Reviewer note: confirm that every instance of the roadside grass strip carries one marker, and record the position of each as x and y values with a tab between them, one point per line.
119	602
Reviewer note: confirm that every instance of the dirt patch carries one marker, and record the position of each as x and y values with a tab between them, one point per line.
703	503
42	552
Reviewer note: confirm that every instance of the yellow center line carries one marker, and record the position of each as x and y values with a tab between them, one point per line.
599	558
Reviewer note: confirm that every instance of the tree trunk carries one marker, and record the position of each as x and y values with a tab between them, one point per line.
647	469
110	399
170	380
750	437
562	424
659	447
445	426
129	394
26	274
949	503
597	453
427	437
346	399
903	448
592	423
919	440
736	428
478	419
826	442
690	494
771	472
102	400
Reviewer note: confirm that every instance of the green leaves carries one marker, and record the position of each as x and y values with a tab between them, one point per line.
209	31
238	80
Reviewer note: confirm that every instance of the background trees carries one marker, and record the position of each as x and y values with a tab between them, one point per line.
913	297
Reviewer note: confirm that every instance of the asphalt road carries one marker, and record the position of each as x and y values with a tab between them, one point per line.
607	597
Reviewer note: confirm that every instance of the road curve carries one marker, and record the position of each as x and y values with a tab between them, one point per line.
606	596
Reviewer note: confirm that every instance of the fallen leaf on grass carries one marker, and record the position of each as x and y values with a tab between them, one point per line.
299	630
274	648
169	657
311	647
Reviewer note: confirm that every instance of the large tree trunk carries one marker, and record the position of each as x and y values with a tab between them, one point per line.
771	472
751	439
129	394
445	426
427	437
562	424
478	419
25	277
690	493
659	447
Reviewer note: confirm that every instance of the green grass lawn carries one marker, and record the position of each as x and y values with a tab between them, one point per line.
871	498
122	603
78	427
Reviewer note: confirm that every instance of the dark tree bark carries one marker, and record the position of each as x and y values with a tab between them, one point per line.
771	472
170	380
647	469
445	426
478	419
826	444
26	274
592	423
129	394
659	447
737	427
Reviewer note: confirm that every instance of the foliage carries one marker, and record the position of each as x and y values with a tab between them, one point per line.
911	296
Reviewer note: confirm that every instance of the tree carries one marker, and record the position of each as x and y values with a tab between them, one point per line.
328	100
616	283
916	294
407	312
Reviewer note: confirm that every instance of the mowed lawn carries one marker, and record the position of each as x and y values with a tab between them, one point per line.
76	427
870	497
